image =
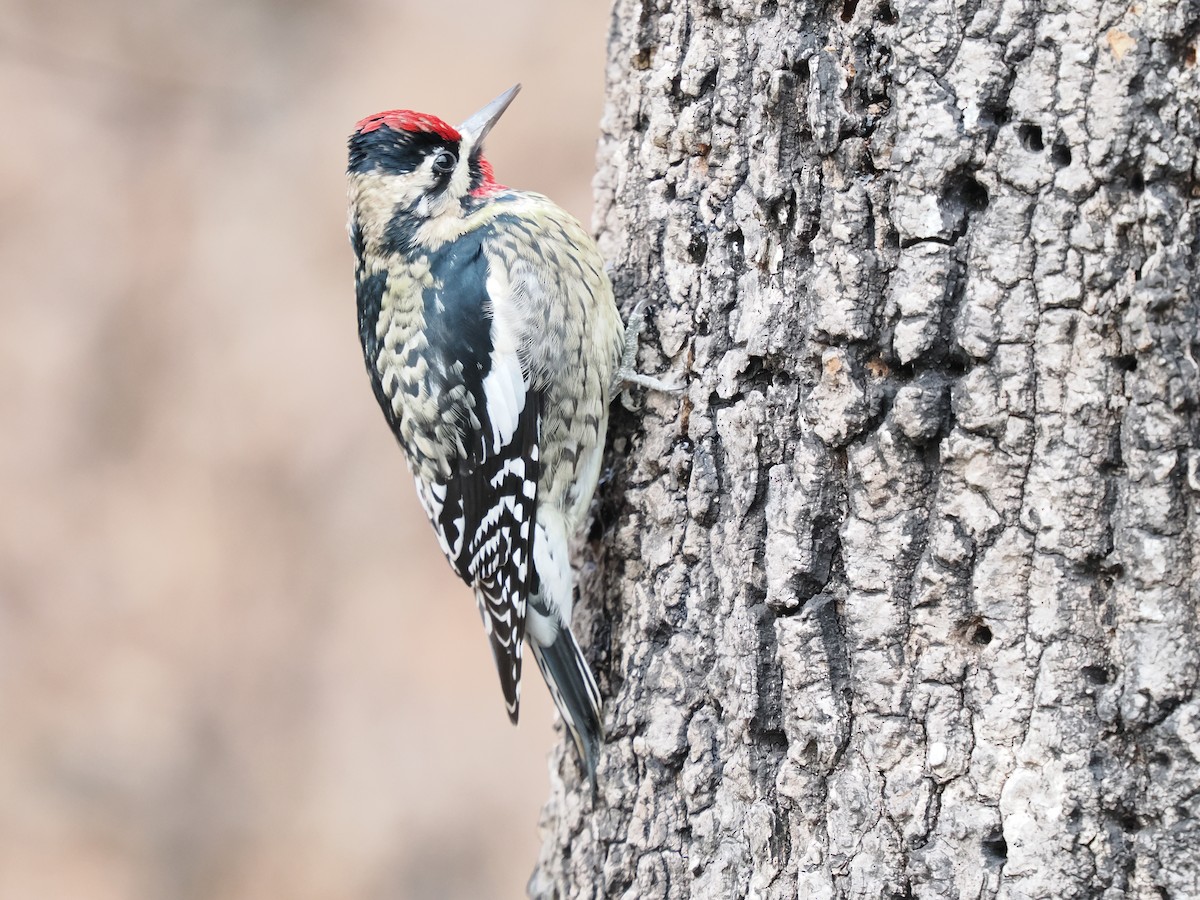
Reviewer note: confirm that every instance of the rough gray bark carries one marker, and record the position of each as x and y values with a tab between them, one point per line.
900	597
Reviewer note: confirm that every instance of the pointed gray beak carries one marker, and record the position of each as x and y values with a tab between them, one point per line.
477	127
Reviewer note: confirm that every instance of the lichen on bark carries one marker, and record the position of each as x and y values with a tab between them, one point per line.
899	597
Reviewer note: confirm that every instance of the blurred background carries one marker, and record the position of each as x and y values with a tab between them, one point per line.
233	663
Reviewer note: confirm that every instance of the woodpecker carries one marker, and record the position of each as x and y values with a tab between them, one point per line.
493	344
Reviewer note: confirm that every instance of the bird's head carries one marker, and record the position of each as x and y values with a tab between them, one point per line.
409	171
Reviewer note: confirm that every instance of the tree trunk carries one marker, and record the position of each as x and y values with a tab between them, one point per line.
899	597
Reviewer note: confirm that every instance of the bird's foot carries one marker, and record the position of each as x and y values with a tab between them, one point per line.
627	375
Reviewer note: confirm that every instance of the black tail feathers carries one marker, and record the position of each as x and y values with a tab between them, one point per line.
575	694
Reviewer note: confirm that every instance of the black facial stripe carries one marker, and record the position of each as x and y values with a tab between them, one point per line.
476	169
391	152
400	235
441	181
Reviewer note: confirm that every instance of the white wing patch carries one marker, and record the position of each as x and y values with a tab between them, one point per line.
504	389
505	386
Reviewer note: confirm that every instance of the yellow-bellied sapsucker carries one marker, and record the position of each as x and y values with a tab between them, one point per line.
493	344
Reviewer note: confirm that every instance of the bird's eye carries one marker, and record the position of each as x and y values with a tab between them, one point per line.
444	162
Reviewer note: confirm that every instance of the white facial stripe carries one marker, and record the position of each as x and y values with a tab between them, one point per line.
461	182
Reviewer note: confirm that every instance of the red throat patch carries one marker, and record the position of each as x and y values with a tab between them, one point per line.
407	120
488	185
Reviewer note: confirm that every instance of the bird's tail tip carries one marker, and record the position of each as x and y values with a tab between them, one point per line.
575	694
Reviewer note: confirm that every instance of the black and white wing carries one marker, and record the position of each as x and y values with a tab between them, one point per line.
485	510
